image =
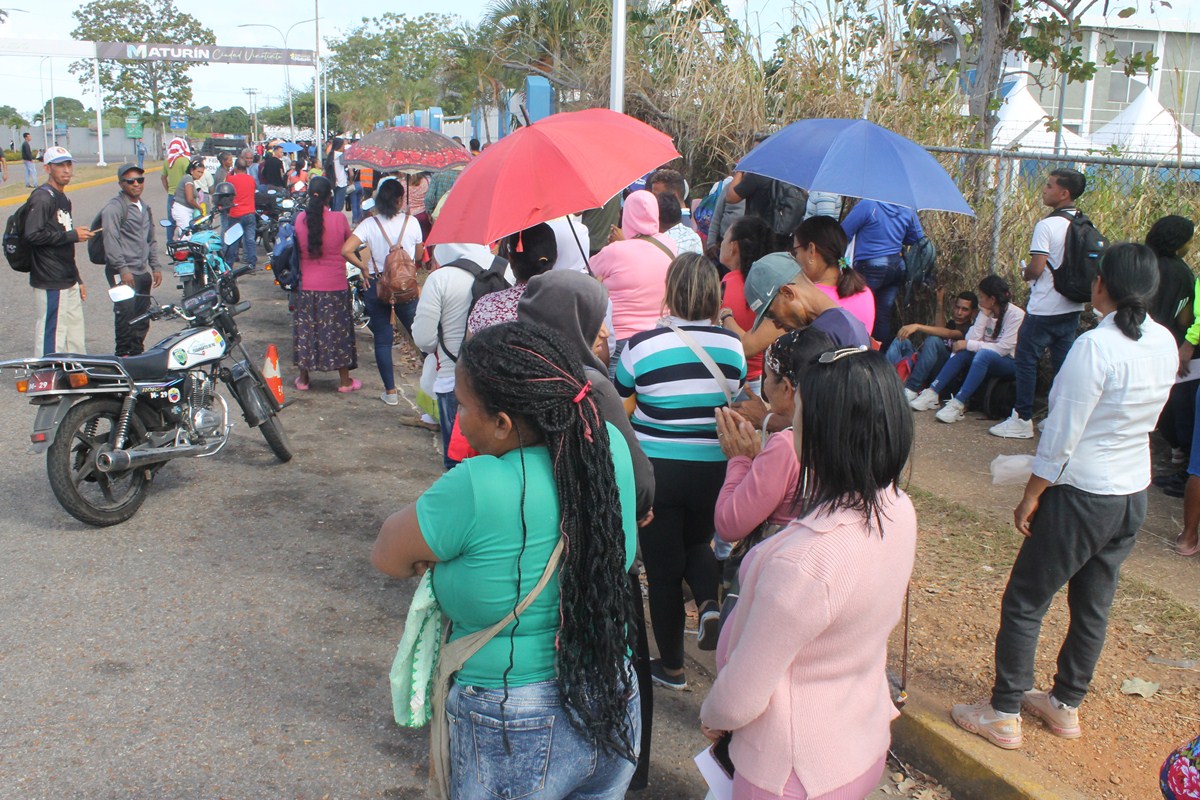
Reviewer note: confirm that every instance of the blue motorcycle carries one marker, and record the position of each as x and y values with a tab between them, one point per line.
199	259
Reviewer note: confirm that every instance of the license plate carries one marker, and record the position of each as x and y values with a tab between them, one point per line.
43	381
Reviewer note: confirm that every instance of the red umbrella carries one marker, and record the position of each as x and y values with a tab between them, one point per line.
563	164
405	150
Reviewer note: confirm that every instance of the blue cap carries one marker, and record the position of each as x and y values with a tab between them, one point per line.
762	284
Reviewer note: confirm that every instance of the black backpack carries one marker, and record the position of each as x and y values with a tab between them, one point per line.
1082	252
16	249
95	245
486	281
920	264
789	203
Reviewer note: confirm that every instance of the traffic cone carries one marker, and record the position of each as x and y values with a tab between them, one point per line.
271	373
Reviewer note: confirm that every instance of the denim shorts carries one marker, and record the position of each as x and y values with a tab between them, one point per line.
545	758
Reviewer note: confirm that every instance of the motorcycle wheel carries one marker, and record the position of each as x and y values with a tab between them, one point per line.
277	438
189	285
88	495
230	294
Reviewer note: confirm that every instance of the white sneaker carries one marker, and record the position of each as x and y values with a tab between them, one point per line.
1013	428
391	399
909	394
953	411
1042	425
927	400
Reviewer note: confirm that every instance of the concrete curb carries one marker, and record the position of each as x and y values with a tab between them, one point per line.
12	201
925	736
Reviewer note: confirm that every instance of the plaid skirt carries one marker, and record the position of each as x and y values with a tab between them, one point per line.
323	332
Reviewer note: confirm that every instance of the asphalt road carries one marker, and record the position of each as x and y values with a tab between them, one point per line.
231	640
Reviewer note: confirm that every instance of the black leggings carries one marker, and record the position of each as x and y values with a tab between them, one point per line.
677	546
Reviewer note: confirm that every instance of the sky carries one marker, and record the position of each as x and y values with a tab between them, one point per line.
25	81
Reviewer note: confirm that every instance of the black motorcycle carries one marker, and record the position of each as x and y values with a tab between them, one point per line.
108	424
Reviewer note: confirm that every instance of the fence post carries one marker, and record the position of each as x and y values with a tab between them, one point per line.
1002	169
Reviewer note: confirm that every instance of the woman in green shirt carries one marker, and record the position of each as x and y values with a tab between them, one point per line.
548	708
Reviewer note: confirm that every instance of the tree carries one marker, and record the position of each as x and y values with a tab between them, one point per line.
164	86
11	118
65	109
393	51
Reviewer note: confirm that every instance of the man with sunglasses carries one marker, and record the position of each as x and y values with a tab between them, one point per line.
130	257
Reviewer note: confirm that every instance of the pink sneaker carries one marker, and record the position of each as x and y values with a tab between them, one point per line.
1060	719
981	720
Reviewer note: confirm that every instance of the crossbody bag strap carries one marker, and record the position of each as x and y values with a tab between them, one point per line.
641	237
451	659
705	359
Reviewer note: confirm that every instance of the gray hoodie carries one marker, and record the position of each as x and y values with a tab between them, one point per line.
573	304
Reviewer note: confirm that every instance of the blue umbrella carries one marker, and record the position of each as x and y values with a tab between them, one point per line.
856	158
291	147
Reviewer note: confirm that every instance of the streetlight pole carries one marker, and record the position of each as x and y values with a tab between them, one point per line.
616	88
317	132
287	77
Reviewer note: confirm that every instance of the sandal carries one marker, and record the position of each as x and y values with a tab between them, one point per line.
354	386
300	386
1187	552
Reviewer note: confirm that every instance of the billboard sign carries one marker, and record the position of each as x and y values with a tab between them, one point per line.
178	123
133	127
203	54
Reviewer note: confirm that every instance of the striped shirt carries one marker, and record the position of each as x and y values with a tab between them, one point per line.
676	394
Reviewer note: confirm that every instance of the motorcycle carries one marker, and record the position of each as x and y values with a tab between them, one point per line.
272	207
358	286
199	257
107	424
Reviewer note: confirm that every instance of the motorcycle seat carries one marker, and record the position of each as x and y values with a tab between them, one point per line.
148	366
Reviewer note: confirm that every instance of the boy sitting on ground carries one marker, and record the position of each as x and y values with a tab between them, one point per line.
935	350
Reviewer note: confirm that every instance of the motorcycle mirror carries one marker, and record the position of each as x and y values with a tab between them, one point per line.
233	234
166	223
121	292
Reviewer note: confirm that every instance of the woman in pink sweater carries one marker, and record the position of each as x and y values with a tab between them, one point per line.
819	246
761	477
801	683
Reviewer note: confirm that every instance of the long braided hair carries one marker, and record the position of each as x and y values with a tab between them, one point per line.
527	371
319	192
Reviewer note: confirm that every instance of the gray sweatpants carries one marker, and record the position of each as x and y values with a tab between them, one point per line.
1078	540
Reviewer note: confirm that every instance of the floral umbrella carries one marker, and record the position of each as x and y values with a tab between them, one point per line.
405	150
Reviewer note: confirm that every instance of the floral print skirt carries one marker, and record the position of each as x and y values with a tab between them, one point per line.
323	332
1180	778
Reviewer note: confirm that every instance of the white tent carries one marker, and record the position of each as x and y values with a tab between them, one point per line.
1146	129
1022	126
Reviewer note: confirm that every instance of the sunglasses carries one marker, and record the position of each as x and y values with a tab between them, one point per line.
833	356
133	180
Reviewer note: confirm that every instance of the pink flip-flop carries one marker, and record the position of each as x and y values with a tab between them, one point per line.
300	386
354	386
1187	552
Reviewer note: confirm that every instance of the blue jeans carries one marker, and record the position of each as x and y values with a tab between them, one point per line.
930	359
979	365
380	316
544	758
170	218
354	197
885	276
447	411
1038	333
249	223
31	178
338	201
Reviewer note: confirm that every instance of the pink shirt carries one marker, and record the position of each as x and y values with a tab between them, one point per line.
635	274
861	305
760	490
802	661
734	284
327	273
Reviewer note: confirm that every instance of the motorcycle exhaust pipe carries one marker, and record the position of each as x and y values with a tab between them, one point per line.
121	460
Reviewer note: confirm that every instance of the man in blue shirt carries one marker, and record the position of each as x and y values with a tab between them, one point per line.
879	231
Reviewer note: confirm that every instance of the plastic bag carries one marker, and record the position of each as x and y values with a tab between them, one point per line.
1008	470
426	399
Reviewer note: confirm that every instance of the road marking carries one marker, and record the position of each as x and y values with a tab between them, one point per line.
12	201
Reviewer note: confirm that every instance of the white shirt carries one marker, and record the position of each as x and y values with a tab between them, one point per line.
571	238
339	170
686	240
445	298
982	335
377	245
1049	240
1105	401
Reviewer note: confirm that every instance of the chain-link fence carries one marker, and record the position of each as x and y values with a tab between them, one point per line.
1124	197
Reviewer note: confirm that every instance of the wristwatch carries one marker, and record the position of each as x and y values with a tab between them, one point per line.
721	319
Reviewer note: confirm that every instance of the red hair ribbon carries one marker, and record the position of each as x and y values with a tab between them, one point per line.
583	390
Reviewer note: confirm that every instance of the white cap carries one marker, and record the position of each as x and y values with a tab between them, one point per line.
56	155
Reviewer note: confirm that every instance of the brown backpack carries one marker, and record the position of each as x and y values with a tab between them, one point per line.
398	281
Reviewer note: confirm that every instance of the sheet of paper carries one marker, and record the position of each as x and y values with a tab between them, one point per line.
1192	373
720	785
